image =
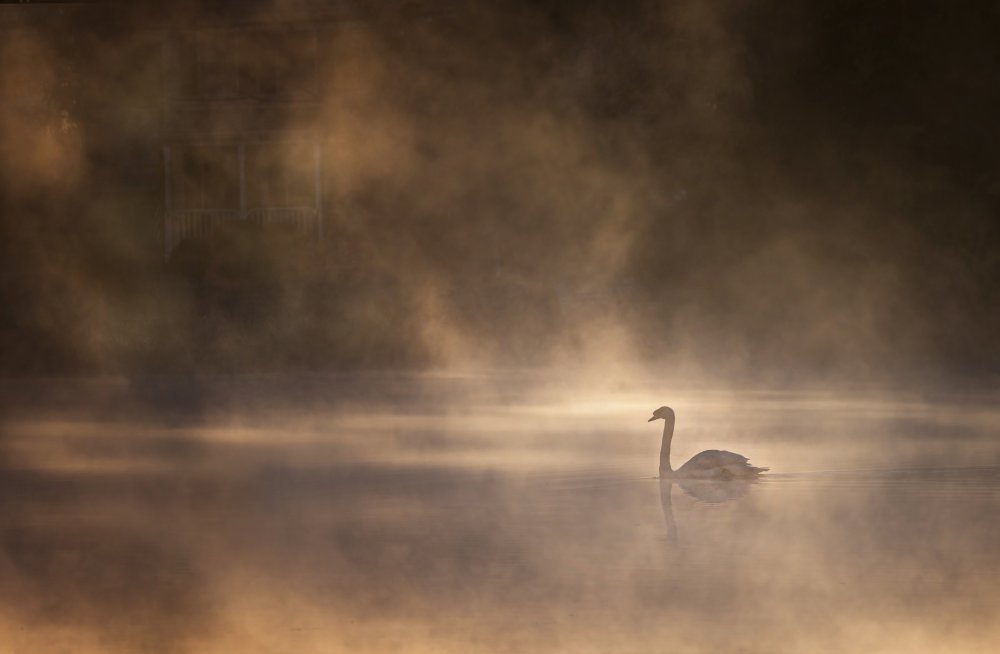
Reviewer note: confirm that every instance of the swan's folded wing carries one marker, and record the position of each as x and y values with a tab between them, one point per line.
724	458
712	459
732	458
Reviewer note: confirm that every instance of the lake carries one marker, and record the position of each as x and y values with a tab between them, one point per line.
502	513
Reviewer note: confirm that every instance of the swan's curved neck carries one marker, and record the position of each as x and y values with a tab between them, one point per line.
668	435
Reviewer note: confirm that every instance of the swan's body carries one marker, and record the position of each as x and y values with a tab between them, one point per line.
710	464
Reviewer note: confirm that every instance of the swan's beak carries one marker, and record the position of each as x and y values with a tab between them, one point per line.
651	419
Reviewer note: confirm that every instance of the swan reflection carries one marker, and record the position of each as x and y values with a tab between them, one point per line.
704	491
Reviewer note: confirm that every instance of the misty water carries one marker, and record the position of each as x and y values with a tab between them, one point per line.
390	513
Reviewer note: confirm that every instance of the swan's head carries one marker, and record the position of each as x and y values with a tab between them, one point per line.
663	413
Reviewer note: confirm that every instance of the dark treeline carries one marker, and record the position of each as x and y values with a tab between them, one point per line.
778	189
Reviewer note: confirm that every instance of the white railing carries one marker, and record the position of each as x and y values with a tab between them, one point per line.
182	224
302	217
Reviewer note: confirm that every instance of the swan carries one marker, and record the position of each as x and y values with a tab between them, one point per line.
710	464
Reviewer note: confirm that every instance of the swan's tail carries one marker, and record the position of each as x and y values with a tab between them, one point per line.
743	471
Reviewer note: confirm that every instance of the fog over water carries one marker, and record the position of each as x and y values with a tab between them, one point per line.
491	513
420	425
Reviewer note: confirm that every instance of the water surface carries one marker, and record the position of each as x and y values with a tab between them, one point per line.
442	514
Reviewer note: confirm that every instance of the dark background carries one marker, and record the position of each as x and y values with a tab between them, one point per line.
768	190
